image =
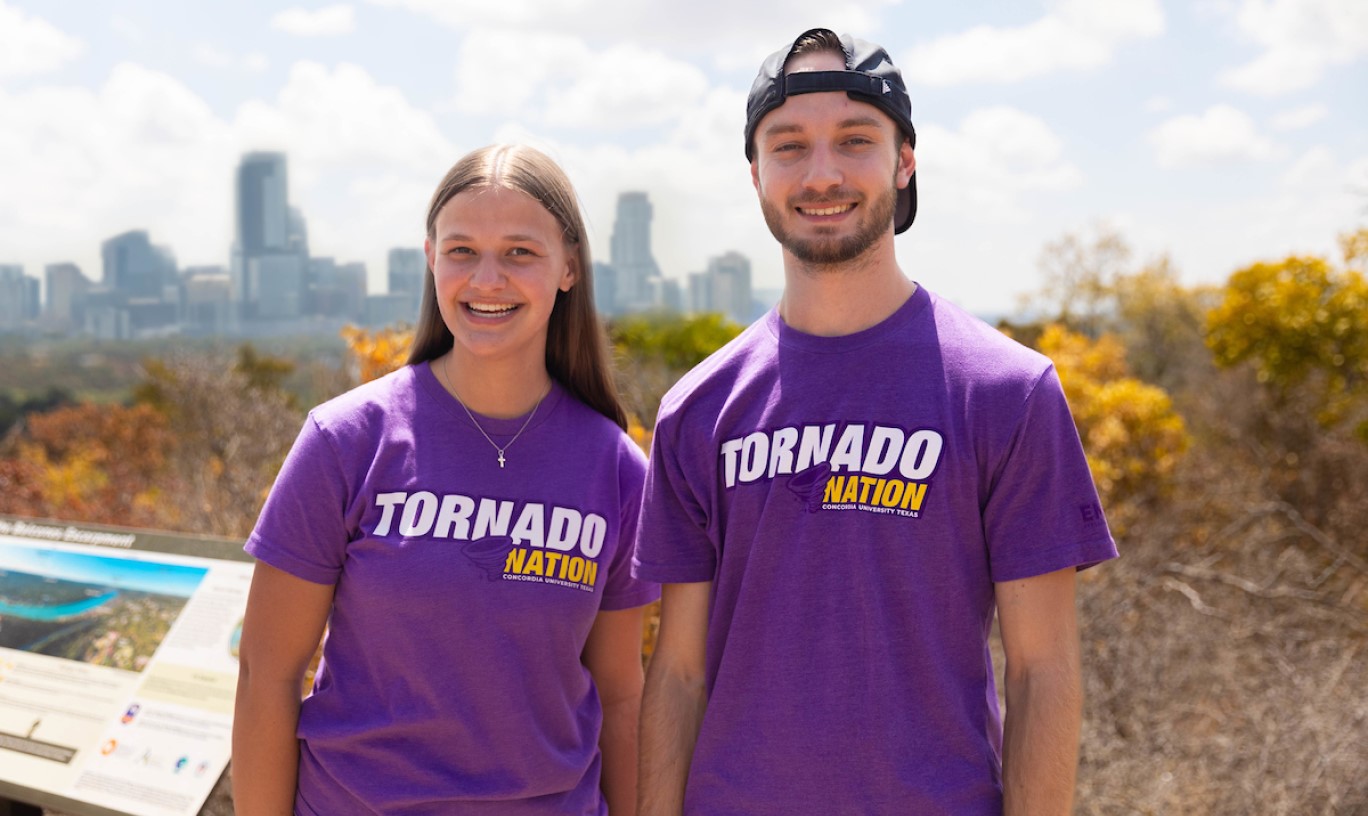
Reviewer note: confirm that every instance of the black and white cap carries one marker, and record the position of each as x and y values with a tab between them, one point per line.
870	76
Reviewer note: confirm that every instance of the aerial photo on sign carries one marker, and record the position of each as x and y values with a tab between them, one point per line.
103	611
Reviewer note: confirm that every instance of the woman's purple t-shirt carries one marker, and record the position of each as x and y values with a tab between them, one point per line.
451	679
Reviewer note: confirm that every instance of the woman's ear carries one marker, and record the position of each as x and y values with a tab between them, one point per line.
571	276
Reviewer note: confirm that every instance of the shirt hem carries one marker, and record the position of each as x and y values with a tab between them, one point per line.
262	551
1080	557
674	573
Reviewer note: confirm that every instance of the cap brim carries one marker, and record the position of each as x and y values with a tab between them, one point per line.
906	210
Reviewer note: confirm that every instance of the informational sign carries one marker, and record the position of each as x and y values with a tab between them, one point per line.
118	666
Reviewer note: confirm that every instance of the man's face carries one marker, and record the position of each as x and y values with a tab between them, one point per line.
827	170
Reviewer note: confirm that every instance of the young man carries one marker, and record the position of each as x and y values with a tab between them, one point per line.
839	500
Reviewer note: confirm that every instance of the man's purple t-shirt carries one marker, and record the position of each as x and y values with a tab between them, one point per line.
451	679
854	499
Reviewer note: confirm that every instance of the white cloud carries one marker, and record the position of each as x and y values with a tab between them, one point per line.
1220	135
329	21
1158	104
29	45
214	57
129	31
988	168
697	179
562	82
738	33
658	88
143	151
1319	196
1075	35
363	159
1299	118
342	115
1314	167
1301	40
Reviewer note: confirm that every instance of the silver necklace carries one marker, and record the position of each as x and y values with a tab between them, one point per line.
473	421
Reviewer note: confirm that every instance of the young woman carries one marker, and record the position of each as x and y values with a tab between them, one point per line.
464	527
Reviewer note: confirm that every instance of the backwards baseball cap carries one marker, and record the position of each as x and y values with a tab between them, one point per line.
870	76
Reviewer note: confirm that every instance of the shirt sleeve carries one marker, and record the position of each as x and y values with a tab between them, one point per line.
673	545
624	590
1042	513
302	528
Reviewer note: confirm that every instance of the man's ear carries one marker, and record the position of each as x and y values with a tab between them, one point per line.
907	163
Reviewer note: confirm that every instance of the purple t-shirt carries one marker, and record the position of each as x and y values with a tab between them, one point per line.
854	499
451	679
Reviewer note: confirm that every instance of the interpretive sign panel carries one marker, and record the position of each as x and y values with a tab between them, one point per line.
118	665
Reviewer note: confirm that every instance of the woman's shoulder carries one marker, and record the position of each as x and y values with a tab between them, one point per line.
596	431
372	403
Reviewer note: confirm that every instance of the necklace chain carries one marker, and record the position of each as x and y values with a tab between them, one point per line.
446	376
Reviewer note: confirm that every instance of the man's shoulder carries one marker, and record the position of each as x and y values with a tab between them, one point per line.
969	343
712	380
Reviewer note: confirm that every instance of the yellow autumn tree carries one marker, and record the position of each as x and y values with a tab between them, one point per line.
1303	326
1133	437
1297	330
89	462
376	352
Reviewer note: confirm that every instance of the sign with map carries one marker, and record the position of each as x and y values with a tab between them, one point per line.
118	666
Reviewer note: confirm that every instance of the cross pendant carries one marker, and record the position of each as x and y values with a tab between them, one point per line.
501	459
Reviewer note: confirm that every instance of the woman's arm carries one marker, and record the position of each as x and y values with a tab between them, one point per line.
284	622
613	656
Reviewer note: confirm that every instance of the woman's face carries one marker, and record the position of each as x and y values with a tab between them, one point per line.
498	258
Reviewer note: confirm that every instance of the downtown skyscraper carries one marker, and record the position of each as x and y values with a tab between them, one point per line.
636	276
270	247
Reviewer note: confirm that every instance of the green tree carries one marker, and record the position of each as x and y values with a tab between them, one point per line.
655	350
1303	326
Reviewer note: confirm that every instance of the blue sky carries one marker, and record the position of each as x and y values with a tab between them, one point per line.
123	573
1216	132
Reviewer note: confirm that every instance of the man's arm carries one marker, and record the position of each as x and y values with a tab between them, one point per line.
1044	693
675	698
284	622
613	656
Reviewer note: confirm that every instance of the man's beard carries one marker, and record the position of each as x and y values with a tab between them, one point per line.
830	251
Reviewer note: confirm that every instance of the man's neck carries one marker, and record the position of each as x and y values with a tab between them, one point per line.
841	299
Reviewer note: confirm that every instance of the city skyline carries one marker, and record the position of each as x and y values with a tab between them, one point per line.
1221	132
271	283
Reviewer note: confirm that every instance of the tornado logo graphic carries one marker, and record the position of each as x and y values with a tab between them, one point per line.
489	554
810	486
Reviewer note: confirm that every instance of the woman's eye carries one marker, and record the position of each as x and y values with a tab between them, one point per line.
519	251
